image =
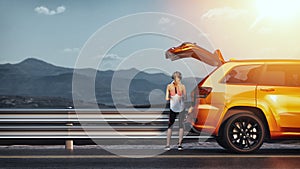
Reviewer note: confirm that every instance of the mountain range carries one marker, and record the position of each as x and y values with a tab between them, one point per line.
33	79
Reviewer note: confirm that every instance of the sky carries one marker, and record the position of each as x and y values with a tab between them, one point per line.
62	31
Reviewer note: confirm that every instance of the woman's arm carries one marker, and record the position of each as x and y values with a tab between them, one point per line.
184	92
167	93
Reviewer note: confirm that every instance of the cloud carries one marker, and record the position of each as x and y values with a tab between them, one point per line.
225	12
265	30
44	10
112	57
109	61
164	20
71	50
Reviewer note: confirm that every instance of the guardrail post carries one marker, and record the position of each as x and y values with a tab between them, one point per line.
69	142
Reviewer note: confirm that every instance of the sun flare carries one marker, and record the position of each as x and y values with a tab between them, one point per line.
278	9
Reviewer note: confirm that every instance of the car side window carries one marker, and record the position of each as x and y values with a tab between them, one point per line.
245	74
282	75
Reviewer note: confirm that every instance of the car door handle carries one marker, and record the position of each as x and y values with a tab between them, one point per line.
267	89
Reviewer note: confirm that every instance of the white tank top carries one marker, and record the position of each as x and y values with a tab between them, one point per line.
176	103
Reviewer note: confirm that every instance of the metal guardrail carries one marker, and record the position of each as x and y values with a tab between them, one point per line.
72	124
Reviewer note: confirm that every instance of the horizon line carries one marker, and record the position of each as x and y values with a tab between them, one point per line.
39	59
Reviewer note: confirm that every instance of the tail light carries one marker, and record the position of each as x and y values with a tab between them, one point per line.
203	92
200	91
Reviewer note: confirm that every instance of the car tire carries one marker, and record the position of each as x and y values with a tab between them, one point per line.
243	133
220	138
221	142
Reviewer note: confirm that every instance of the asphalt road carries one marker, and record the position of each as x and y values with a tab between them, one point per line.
89	157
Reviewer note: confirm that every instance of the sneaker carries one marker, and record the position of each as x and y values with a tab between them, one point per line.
180	148
167	148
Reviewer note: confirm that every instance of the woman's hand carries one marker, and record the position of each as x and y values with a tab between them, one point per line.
190	110
167	93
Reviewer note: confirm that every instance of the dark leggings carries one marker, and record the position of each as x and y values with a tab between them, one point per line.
172	117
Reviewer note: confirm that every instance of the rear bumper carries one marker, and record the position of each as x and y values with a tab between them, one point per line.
207	118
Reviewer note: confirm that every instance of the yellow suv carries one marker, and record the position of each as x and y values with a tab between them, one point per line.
244	103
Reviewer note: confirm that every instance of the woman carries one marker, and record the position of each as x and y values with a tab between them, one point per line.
176	93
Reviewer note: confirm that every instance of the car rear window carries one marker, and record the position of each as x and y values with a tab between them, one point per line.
243	74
